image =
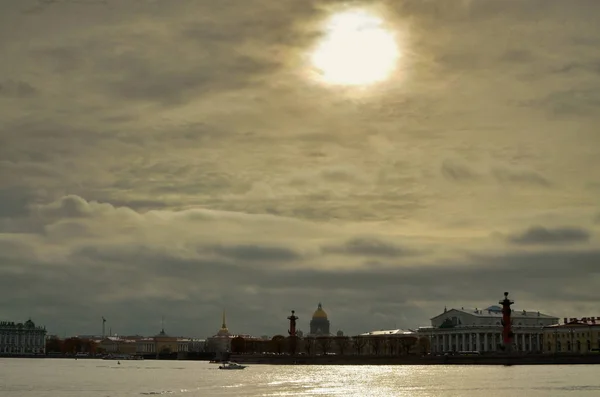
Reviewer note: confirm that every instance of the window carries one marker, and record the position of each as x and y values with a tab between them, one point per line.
589	345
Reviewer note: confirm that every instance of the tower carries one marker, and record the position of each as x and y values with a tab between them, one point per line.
223	331
292	332
507	333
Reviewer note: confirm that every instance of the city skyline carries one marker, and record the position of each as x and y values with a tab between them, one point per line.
387	158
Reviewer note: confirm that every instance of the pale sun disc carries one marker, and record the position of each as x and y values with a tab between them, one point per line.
357	50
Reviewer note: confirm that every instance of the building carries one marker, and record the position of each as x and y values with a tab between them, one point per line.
319	324
573	336
391	341
139	345
221	342
22	338
457	330
117	345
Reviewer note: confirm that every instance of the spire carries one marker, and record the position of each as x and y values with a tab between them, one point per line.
224	325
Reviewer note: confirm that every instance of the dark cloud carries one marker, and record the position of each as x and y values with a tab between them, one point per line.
128	278
15	201
571	102
457	172
368	246
520	177
17	89
547	236
257	253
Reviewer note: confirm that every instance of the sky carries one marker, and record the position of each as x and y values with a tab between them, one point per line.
185	158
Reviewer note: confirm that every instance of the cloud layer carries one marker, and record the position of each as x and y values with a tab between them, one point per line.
180	159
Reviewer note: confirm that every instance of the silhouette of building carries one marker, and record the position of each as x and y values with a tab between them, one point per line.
319	324
573	336
457	330
22	338
221	342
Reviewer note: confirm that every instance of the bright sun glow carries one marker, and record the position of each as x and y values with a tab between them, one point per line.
357	50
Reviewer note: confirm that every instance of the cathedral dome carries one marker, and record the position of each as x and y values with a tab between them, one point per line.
319	313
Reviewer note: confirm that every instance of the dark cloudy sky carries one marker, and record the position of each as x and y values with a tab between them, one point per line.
179	158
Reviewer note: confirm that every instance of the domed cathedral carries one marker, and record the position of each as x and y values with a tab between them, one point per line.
319	325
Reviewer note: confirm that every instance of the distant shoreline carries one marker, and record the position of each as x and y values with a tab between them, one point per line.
529	359
256	359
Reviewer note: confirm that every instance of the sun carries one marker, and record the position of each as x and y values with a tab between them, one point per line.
357	50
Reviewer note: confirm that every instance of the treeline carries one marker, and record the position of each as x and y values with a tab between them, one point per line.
378	345
71	345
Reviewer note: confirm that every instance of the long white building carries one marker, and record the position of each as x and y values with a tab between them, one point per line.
457	330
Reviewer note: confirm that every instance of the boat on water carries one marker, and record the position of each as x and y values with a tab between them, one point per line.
231	365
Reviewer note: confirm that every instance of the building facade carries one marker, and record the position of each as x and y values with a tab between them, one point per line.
221	342
319	324
580	336
464	330
22	338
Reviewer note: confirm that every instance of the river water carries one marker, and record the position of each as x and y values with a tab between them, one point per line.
99	378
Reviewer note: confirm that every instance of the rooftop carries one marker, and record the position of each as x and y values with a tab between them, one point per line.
493	312
394	332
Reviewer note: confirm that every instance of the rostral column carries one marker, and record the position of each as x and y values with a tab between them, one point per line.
292	332
507	333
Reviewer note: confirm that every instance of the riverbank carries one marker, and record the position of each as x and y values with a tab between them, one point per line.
529	359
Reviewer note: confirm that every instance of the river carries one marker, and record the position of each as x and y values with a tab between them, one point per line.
100	378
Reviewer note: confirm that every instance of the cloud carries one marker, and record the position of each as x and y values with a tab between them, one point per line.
457	172
368	246
542	235
16	89
191	260
180	158
257	253
522	177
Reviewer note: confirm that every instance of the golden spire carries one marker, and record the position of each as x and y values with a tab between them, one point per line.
223	331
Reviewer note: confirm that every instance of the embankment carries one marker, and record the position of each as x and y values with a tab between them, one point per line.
529	359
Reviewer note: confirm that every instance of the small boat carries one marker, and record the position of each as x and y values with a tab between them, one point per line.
232	365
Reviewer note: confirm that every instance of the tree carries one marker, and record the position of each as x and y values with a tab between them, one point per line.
392	345
424	345
324	344
375	344
277	343
407	344
292	344
358	343
54	345
309	344
342	343
238	345
71	345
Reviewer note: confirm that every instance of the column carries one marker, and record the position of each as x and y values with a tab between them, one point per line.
464	340
444	342
530	342
478	346
523	341
485	342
